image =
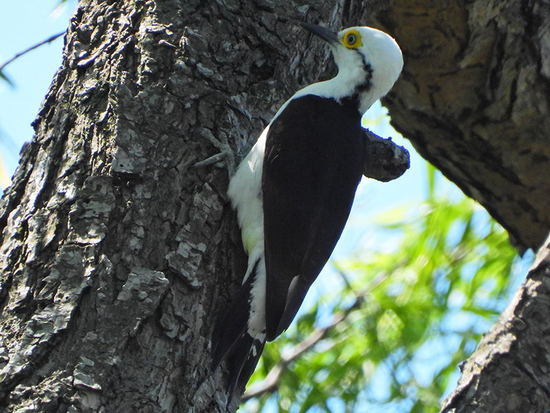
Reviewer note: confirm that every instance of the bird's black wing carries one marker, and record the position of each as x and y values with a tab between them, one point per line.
312	166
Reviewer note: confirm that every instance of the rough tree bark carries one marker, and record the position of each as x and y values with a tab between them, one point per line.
117	249
474	100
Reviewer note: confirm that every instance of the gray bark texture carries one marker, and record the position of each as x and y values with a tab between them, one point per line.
118	246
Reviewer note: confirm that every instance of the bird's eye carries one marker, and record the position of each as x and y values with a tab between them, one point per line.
352	39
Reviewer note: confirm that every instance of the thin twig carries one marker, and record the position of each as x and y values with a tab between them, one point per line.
18	55
344	278
271	381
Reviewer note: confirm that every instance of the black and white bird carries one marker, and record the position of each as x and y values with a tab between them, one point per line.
293	192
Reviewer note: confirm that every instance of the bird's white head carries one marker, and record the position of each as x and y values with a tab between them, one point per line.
369	62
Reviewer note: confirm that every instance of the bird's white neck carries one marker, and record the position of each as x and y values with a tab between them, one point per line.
343	85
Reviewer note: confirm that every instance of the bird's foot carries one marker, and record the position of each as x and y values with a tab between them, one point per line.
226	152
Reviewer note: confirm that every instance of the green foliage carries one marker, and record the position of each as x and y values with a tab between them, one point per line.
426	296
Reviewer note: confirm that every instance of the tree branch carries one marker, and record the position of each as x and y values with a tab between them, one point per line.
27	50
384	160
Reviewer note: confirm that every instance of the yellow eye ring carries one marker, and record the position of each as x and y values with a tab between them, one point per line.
352	39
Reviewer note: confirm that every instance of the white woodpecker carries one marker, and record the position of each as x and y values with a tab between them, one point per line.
293	192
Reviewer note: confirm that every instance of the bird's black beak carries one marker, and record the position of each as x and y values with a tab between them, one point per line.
327	35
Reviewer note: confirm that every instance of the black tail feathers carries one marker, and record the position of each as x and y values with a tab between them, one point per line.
231	340
242	362
232	324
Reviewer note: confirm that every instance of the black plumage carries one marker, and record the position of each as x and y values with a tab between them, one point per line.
312	166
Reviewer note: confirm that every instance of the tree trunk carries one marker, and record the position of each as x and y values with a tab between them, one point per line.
118	246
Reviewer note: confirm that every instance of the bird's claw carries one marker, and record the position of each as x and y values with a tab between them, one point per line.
226	152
